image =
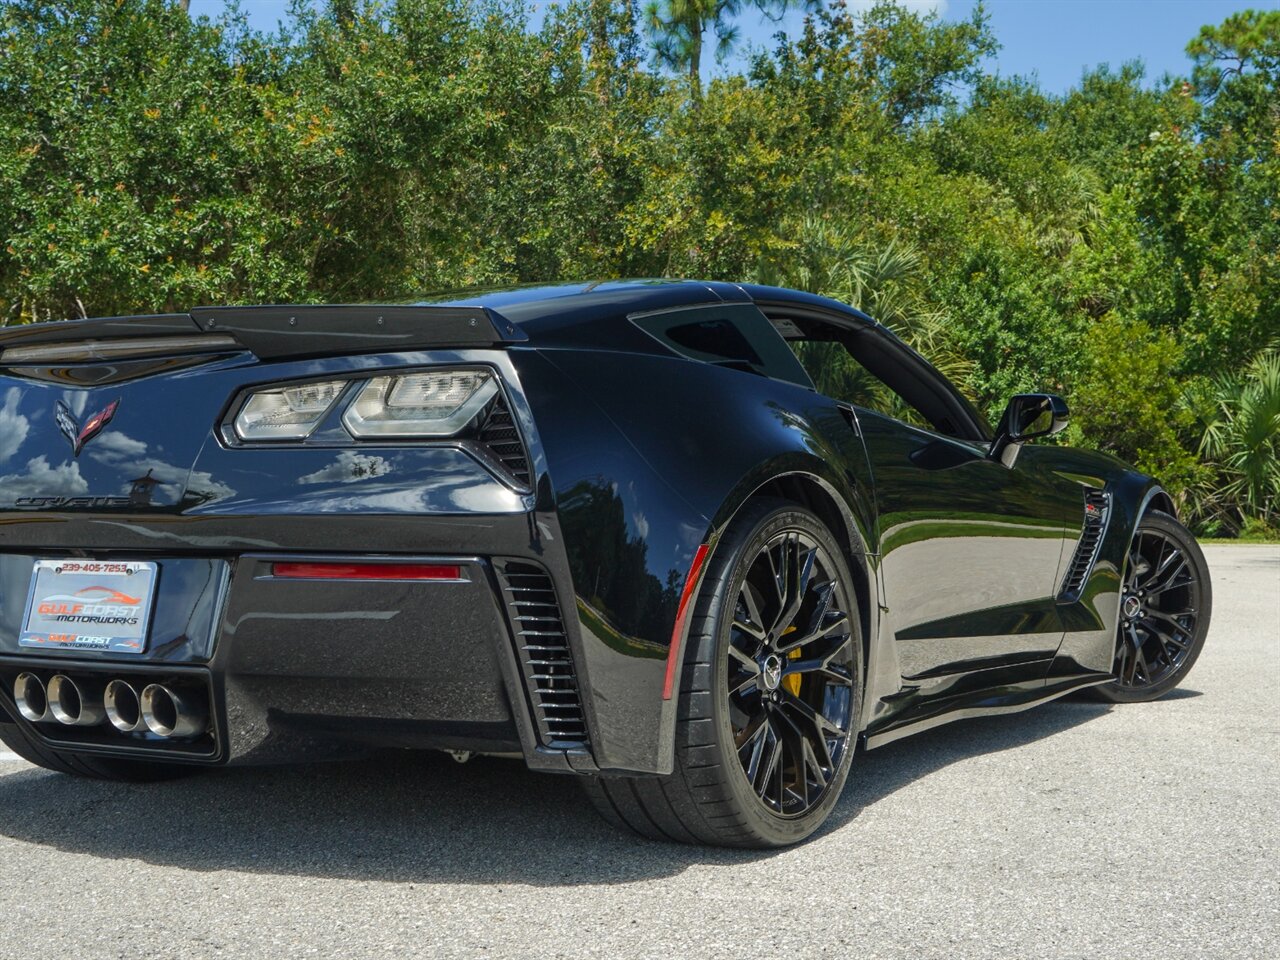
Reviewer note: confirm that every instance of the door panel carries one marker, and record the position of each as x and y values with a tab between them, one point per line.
970	555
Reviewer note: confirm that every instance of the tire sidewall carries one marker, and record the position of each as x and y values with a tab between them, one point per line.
769	827
1168	526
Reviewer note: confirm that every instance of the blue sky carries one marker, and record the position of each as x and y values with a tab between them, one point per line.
1054	39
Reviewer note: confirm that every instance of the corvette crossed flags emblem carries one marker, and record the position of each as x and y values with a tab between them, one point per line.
78	435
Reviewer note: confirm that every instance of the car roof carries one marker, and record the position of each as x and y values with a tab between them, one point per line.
551	309
525	302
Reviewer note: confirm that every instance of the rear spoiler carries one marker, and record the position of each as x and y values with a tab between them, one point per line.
268	332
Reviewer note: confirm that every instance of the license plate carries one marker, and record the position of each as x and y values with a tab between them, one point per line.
89	605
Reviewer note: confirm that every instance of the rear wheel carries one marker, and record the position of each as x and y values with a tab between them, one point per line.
94	768
770	694
1164	611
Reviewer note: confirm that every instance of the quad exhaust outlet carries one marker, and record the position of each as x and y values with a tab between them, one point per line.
122	706
31	697
169	713
162	711
76	704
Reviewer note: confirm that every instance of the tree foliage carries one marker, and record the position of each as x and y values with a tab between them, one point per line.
1119	243
678	29
1241	442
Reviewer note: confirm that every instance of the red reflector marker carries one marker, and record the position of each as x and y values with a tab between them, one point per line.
682	616
366	571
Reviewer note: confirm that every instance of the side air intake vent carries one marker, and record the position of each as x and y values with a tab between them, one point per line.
500	435
543	648
1097	511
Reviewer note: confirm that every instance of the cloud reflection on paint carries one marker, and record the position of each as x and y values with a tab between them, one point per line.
349	468
14	427
43	480
132	458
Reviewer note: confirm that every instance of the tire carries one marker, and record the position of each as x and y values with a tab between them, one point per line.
709	798
1165	627
90	767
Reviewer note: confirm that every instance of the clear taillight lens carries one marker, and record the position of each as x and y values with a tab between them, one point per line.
286	413
437	404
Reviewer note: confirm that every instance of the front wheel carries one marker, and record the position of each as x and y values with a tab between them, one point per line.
770	696
1164	611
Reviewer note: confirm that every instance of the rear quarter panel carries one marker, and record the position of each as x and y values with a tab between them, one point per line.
649	457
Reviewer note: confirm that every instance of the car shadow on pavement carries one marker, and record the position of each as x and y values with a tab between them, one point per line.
1182	693
425	819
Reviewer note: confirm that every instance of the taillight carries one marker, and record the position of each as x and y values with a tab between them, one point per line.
430	405
286	413
435	404
464	405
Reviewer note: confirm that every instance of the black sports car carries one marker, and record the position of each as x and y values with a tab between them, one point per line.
612	529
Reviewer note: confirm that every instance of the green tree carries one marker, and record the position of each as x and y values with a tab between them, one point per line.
678	29
1117	243
1245	45
1126	403
1242	439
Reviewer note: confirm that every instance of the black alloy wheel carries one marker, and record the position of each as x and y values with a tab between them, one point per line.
791	667
770	695
1165	605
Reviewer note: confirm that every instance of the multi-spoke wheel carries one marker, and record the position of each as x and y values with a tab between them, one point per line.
770	695
791	668
1165	605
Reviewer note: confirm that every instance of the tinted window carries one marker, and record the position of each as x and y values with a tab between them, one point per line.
736	335
838	375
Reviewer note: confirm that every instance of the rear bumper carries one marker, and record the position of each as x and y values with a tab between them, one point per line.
311	669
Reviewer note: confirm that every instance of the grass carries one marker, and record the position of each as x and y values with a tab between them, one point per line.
1240	541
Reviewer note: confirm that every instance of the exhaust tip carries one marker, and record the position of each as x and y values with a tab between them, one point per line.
30	696
75	704
122	707
168	713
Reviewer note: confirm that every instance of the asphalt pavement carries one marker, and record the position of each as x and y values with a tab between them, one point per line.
1074	830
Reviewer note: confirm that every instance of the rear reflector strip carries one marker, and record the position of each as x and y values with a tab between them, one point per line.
682	617
366	571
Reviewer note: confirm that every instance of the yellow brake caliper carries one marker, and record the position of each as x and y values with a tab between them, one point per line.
792	683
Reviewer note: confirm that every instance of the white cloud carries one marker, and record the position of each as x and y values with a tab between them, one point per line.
42	480
76	401
485	498
129	456
114	447
13	426
348	468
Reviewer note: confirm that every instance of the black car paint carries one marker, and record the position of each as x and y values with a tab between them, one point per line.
638	458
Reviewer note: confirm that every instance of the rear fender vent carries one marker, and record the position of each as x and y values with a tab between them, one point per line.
543	648
1097	512
500	435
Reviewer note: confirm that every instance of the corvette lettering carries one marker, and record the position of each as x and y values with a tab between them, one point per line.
71	503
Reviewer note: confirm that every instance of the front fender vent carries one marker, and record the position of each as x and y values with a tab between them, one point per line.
1097	511
545	658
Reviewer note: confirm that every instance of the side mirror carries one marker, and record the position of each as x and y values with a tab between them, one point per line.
1028	415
